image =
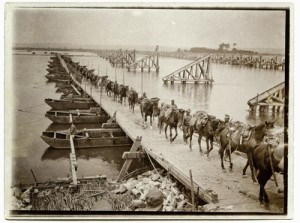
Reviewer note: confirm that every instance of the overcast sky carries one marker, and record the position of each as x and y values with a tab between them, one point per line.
171	28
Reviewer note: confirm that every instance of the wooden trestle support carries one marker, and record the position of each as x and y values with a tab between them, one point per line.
196	72
273	98
149	62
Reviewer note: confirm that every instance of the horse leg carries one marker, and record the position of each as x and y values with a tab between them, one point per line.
221	152
176	133
170	134
166	127
151	122
231	164
246	166
191	131
199	143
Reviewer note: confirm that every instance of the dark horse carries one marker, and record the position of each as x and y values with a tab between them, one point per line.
172	120
248	142
201	124
236	136
109	87
149	107
268	159
123	93
132	96
116	91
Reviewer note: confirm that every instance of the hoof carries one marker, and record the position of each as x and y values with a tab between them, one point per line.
255	182
280	190
201	153
224	171
230	170
208	158
245	176
205	152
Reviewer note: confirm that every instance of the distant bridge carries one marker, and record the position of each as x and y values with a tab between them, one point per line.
196	72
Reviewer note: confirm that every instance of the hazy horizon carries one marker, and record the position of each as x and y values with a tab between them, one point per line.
168	28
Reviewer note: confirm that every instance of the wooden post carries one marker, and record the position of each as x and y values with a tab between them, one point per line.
135	146
73	162
192	191
71	118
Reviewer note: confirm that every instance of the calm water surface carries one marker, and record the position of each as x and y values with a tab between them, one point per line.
233	87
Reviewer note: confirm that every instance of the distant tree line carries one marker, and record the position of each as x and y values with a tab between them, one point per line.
223	48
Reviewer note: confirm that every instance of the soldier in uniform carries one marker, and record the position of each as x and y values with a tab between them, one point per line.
186	124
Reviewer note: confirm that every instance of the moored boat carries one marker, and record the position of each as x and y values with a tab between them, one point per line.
68	104
76	117
88	138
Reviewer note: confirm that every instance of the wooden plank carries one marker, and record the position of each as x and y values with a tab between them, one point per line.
73	171
75	89
136	145
133	155
72	144
266	94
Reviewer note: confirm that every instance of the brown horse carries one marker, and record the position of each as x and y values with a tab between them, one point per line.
229	141
250	138
149	107
123	93
197	123
132	96
236	136
173	120
268	159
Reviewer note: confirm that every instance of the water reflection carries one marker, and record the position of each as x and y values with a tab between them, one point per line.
108	154
256	117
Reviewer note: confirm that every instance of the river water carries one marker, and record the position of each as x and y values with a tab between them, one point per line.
233	87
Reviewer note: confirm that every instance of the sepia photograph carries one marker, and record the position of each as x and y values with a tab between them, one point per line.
159	111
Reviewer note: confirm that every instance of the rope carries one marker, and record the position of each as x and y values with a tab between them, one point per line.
152	164
30	112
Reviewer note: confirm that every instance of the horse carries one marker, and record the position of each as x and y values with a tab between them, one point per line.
208	131
123	93
116	91
236	136
196	124
248	142
109	87
172	118
268	159
149	107
229	139
132	96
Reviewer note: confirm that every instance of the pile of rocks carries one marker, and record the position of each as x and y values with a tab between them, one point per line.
174	199
21	200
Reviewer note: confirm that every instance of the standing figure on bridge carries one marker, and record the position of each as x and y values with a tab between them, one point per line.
186	124
226	119
142	97
169	111
72	129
